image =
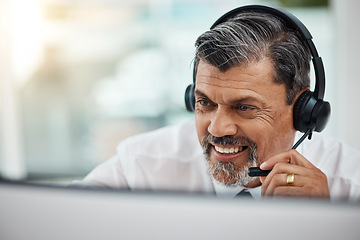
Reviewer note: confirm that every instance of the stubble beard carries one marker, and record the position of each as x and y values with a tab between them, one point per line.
227	173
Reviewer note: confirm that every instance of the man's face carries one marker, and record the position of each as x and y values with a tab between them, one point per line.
241	118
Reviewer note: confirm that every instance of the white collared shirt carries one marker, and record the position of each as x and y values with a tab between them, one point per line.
222	191
171	158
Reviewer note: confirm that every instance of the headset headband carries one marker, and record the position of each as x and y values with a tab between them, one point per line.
291	22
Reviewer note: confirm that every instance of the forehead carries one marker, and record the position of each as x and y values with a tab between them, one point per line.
254	79
261	72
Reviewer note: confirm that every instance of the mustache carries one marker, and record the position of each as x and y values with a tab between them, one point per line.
227	140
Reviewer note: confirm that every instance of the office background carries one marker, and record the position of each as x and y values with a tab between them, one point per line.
77	77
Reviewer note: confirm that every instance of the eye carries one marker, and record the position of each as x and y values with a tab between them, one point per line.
203	103
245	108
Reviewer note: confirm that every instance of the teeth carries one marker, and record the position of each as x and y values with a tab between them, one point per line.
229	150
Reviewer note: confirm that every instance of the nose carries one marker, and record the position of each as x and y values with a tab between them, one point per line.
222	123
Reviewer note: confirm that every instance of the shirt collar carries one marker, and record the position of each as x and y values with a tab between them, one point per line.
222	191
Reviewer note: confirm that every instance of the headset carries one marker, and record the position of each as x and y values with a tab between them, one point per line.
311	112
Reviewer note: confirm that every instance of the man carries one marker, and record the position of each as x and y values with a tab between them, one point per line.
250	70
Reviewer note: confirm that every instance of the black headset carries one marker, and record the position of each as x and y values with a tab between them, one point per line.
310	113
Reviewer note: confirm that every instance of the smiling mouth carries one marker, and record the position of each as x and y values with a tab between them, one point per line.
231	150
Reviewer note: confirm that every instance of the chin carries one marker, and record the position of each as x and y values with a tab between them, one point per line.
229	159
227	174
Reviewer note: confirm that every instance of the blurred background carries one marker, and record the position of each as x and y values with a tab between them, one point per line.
79	76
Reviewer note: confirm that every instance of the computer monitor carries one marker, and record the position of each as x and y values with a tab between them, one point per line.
29	211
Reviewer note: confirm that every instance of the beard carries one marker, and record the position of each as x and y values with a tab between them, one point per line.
227	173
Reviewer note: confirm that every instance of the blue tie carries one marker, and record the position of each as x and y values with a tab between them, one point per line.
244	193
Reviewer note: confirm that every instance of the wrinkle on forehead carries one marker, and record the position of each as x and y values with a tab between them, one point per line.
229	86
219	82
256	74
246	82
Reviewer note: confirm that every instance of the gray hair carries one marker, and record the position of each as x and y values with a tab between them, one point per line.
249	37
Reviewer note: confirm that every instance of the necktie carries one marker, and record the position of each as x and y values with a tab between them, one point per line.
244	193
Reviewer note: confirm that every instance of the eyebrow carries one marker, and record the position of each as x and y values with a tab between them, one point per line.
201	94
233	102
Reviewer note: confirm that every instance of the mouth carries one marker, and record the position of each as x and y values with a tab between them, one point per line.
228	153
230	150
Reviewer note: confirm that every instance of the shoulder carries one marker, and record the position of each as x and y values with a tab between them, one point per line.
339	161
145	160
177	141
323	150
169	158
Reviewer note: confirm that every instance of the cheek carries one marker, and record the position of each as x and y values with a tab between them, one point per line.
272	137
285	123
276	140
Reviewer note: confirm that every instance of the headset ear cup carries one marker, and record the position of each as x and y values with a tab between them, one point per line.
309	111
321	115
190	98
298	111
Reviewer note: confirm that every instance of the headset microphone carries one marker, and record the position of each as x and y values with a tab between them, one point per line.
257	172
